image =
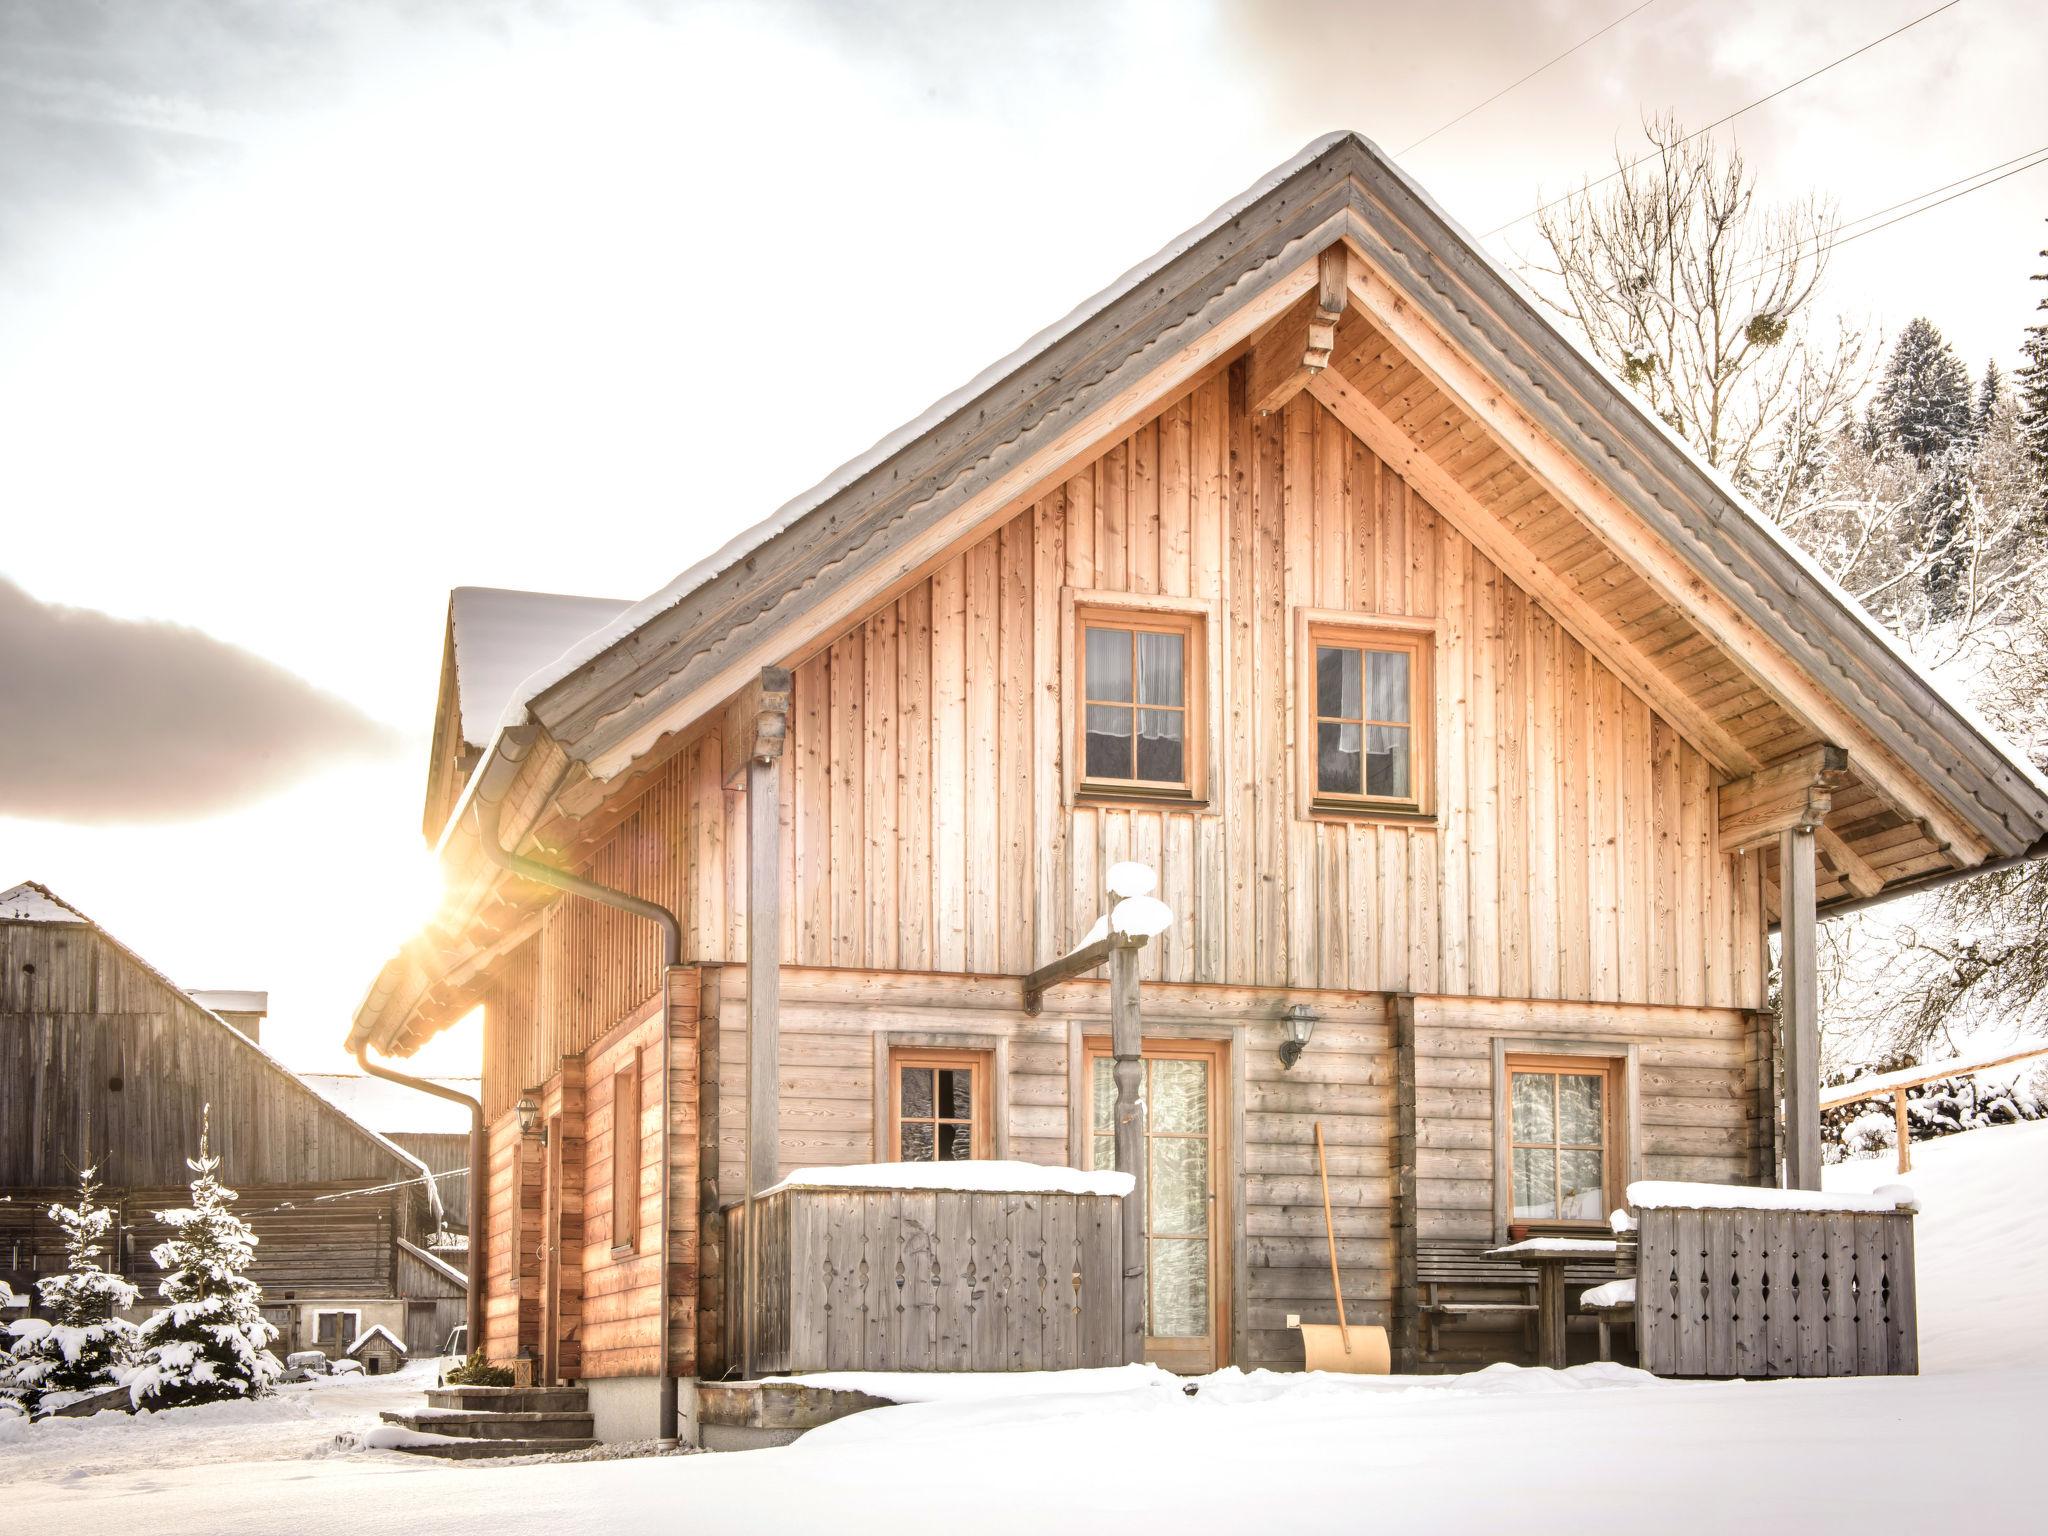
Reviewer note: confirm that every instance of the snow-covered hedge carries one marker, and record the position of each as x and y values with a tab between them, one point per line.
1940	1108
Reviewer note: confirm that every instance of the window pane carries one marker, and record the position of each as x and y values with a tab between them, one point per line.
1178	1096
1338	769
956	1143
1386	760
1179	1175
1161	759
1584	1199
917	1091
916	1143
1532	1119
1578	1108
1109	664
1387	671
1159	668
1337	691
1536	1183
1105	1152
1180	1287
956	1092
1102	1096
1109	742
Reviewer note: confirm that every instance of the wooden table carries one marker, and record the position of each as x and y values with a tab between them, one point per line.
1548	1256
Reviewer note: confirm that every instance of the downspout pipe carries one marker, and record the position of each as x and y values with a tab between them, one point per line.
488	811
479	1173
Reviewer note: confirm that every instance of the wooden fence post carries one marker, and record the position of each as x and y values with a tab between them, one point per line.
1127	1044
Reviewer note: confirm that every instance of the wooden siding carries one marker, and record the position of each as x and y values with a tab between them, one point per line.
93	1043
924	1280
930	823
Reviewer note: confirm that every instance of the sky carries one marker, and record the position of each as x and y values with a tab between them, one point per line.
309	313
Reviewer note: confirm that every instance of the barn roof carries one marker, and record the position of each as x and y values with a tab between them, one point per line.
392	1109
31	902
1509	378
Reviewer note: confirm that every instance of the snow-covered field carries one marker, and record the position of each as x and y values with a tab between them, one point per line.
1593	1449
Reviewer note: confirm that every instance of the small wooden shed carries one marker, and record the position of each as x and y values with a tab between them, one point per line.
377	1349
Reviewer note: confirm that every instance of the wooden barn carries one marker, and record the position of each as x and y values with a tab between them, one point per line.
1479	734
103	1061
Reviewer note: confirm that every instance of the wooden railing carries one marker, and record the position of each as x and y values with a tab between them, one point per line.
1896	1092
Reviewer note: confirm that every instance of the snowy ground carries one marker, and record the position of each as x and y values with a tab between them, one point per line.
1594	1449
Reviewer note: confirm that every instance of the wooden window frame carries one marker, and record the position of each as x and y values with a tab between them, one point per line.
1377	632
1191	618
1618	1062
627	1151
982	1139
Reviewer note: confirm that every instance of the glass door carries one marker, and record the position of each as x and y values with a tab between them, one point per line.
1184	1262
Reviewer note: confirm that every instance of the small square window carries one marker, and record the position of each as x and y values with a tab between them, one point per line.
940	1104
1139	702
1366	716
1561	1117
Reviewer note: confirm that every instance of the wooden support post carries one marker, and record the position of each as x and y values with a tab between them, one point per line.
1905	1140
1127	1044
1799	1006
760	718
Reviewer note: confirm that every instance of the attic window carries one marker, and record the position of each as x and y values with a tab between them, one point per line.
1365	712
1140	702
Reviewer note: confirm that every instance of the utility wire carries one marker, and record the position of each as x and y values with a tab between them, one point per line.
2035	159
1622	170
1496	96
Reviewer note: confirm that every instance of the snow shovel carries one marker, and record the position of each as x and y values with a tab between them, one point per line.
1360	1351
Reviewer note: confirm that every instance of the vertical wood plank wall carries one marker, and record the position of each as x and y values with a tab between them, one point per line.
928	820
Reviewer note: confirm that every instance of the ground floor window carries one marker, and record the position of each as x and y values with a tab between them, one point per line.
1561	1118
336	1330
939	1105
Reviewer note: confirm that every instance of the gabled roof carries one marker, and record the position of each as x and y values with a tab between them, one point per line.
31	902
501	636
1509	376
377	1331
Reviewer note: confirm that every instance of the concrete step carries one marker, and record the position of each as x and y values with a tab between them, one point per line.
511	1399
494	1426
485	1450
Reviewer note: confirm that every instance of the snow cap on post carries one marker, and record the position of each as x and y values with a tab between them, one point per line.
1130	879
1141	917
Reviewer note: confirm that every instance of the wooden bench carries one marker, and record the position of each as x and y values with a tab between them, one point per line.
1466	1263
1606	1315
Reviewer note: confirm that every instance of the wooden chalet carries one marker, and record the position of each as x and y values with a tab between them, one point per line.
1478	732
104	1062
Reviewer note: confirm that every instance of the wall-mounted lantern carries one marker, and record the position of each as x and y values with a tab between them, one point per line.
528	1111
1299	1021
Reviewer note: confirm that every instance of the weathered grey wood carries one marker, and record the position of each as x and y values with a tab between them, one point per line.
1841	1317
1902	1318
1688	1235
1746	1316
1800	1005
764	968
1781	1330
1404	1342
1809	1266
1873	1356
872	1279
1078	963
1721	1298
1127	1043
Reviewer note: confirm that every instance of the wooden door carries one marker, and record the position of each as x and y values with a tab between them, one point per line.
1187	1218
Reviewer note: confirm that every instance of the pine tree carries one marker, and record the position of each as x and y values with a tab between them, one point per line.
81	1346
211	1341
1990	391
1922	405
2033	386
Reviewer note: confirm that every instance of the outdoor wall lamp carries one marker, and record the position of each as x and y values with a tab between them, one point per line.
1300	1022
529	1117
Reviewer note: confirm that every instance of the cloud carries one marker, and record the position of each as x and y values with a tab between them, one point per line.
120	720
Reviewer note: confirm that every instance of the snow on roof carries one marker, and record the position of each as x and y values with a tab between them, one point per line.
228	1000
1656	1194
595	643
502	635
392	1109
32	903
376	1330
991	1176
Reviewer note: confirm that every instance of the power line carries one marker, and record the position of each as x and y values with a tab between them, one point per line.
1718	122
2035	159
1496	96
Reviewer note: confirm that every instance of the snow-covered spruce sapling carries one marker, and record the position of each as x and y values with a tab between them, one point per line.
80	1346
210	1342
